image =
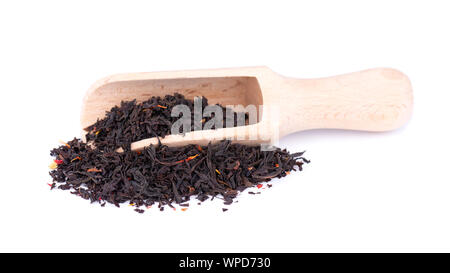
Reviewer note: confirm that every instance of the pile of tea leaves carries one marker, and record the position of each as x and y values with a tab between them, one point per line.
160	175
134	121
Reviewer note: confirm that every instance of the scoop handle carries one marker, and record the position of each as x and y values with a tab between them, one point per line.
378	99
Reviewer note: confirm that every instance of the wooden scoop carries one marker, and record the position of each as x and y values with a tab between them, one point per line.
371	100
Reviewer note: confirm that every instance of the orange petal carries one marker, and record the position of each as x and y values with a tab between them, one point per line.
62	142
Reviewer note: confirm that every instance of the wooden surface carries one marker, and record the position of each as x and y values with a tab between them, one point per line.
371	100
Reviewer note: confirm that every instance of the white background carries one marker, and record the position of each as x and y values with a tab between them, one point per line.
362	192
